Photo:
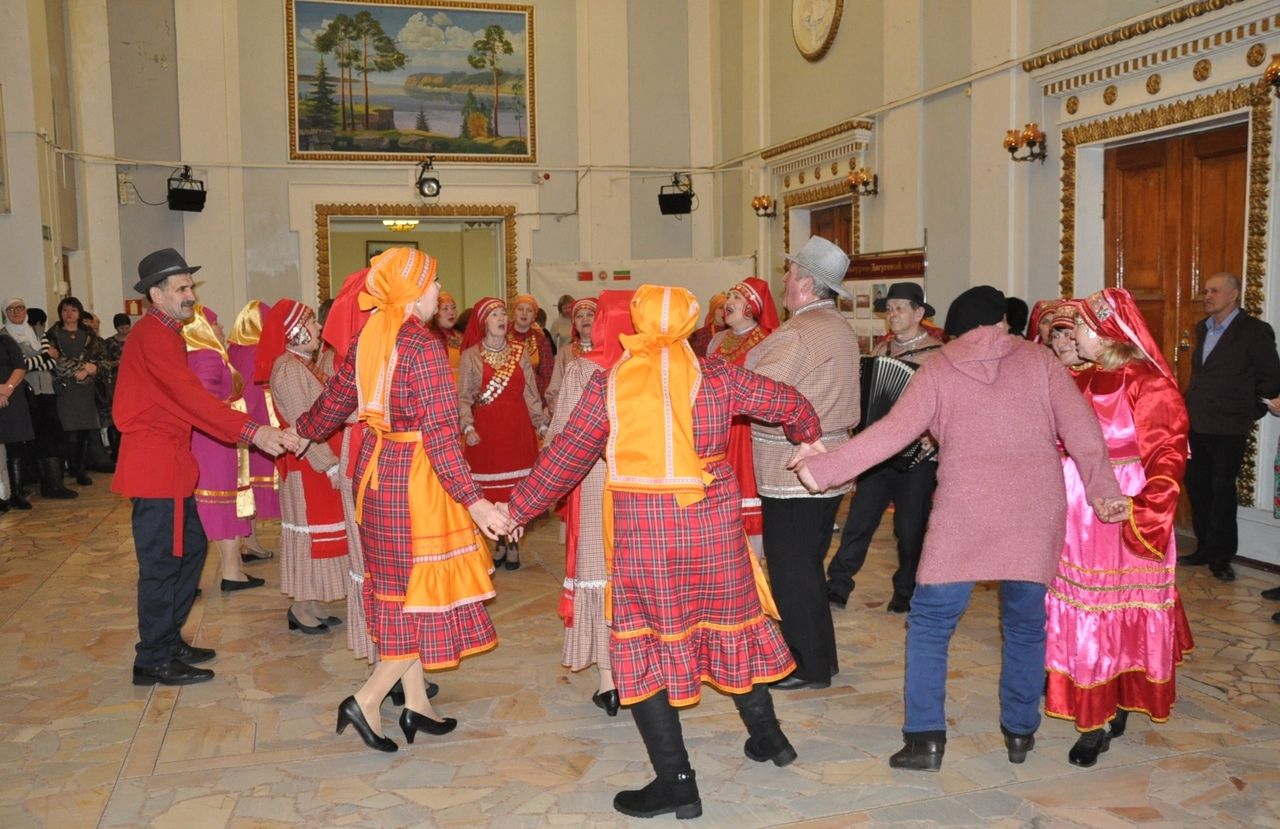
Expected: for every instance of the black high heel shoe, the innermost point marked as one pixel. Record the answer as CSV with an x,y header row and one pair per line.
x,y
607,701
349,713
310,630
411,722
513,556
500,554
397,692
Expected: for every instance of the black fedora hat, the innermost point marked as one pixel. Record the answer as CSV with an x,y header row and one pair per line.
x,y
157,266
905,290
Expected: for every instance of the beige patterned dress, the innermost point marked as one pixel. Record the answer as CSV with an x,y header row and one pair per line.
x,y
294,388
587,642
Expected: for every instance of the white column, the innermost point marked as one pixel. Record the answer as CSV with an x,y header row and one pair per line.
x,y
998,186
24,265
900,144
704,57
604,129
90,69
209,119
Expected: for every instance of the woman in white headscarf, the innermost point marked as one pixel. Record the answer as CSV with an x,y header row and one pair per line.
x,y
44,411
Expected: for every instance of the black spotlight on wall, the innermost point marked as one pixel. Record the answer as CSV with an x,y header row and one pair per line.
x,y
676,198
186,193
428,184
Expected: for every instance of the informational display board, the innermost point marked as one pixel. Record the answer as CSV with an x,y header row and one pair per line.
x,y
868,279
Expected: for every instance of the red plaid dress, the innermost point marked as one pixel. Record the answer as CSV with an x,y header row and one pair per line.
x,y
422,399
685,607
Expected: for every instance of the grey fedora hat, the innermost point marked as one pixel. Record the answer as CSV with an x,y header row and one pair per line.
x,y
157,266
825,262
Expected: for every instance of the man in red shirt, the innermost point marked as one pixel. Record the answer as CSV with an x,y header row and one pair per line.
x,y
158,401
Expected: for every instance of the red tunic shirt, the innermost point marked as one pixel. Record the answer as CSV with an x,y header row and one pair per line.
x,y
158,401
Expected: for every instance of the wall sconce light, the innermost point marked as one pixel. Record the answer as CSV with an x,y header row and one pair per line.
x,y
1272,74
428,184
400,225
766,207
1031,137
863,182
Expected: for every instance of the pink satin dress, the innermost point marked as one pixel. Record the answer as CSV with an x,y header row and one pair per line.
x,y
1115,623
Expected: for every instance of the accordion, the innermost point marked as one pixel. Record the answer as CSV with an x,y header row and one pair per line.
x,y
884,379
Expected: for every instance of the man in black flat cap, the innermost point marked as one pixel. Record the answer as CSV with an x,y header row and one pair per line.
x,y
909,486
157,403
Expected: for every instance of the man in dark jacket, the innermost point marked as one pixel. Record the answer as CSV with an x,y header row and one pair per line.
x,y
1233,368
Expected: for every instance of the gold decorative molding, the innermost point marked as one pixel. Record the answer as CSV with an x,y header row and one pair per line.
x,y
505,212
1256,55
1153,84
817,173
1195,45
1256,98
1073,105
835,168
1109,95
800,176
1123,33
813,195
813,138
1202,70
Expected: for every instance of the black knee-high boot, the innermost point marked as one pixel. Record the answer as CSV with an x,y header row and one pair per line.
x,y
675,789
14,466
767,742
78,444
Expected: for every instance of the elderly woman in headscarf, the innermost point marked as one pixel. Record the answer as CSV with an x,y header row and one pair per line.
x,y
750,315
444,325
586,633
500,409
223,497
427,568
1040,323
313,538
682,588
242,349
47,446
583,314
1116,627
524,328
700,339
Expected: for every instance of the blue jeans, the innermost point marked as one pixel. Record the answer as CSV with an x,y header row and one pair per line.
x,y
935,610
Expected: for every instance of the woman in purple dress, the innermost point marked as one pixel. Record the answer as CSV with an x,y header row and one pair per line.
x,y
223,497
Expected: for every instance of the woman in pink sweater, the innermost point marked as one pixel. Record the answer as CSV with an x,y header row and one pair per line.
x,y
998,406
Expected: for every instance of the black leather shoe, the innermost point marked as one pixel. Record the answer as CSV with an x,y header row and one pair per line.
x,y
349,713
899,604
1272,594
192,655
919,755
397,692
513,556
606,701
229,586
1196,559
295,624
254,556
797,683
172,673
1119,724
1275,617
678,793
411,722
1086,750
1018,745
1224,573
836,600
331,621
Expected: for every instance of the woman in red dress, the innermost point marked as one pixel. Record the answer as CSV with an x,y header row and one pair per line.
x,y
443,326
699,340
682,590
750,316
427,569
500,408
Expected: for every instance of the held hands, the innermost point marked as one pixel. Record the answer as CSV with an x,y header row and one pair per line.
x,y
273,441
1112,510
303,443
797,464
492,521
472,437
516,531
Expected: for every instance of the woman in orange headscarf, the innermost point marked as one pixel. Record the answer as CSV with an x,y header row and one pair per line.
x,y
443,326
524,329
750,315
714,324
428,569
681,591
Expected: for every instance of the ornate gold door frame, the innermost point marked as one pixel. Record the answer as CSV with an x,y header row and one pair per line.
x,y
506,213
1256,99
813,195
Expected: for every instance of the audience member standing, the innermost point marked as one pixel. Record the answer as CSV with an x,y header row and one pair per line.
x,y
817,352
1234,371
79,355
15,419
114,346
46,449
562,328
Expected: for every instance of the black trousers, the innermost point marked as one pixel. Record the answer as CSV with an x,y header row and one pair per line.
x,y
1211,488
797,532
911,493
166,583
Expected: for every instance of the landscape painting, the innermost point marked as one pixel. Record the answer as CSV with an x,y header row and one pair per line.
x,y
398,80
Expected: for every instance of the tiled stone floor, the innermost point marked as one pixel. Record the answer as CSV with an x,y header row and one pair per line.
x,y
82,747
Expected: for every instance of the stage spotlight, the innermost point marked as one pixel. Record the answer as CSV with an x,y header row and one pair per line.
x,y
676,198
427,185
186,193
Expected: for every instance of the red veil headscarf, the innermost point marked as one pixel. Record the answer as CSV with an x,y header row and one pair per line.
x,y
1038,312
613,320
1113,314
756,293
283,321
480,313
346,320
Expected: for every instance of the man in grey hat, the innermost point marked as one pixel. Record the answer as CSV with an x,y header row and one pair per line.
x,y
817,352
158,401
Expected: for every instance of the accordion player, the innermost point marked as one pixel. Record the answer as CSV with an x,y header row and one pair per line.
x,y
884,379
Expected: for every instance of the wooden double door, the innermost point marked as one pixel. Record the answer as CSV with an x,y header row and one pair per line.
x,y
1174,215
